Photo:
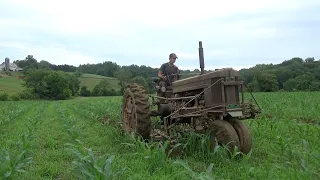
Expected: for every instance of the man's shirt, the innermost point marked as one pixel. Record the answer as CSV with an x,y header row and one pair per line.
x,y
168,70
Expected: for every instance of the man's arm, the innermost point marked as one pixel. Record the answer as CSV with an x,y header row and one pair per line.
x,y
161,72
177,72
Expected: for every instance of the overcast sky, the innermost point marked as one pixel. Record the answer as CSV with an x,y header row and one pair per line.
x,y
234,33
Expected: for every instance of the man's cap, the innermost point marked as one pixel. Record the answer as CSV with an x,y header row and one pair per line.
x,y
173,55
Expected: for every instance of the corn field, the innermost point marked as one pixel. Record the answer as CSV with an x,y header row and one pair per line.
x,y
82,139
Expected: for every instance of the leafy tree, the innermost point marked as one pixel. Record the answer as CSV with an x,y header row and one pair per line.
x,y
78,74
34,79
103,89
74,83
44,63
48,84
283,75
84,91
317,73
267,82
254,86
314,86
57,86
290,85
124,76
304,82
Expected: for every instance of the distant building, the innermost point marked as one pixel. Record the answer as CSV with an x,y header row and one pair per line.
x,y
6,65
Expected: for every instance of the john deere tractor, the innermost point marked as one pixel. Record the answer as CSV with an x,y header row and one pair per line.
x,y
209,102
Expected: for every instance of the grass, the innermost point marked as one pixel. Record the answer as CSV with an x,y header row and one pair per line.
x,y
91,80
13,84
66,139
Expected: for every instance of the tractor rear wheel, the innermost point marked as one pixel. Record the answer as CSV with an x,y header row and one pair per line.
x,y
223,133
136,111
244,135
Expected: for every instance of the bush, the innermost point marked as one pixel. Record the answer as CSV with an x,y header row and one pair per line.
x,y
4,96
74,84
103,89
84,91
49,84
78,74
15,97
28,94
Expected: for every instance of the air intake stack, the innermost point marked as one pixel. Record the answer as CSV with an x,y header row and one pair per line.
x,y
201,57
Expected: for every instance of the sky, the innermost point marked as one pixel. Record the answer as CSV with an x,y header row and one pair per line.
x,y
238,34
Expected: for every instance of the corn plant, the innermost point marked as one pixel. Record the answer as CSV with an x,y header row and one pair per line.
x,y
155,153
14,161
10,111
207,175
90,166
198,146
11,164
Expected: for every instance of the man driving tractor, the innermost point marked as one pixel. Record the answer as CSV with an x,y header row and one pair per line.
x,y
169,72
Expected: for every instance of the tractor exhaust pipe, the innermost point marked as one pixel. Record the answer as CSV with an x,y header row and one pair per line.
x,y
201,57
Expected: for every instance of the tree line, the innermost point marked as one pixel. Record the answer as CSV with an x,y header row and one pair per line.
x,y
296,74
125,74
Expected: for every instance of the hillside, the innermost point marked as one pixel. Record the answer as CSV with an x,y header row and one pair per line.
x,y
13,84
91,80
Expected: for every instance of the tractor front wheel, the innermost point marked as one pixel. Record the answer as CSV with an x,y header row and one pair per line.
x,y
244,135
222,133
136,111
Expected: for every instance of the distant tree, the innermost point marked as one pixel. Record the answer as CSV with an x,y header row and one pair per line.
x,y
309,60
84,91
48,84
124,76
314,86
103,89
44,63
253,86
317,73
290,85
304,82
74,83
267,82
282,76
78,74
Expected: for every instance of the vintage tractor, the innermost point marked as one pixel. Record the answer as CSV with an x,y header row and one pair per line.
x,y
211,102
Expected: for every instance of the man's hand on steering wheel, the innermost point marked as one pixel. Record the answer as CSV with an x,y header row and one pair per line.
x,y
164,78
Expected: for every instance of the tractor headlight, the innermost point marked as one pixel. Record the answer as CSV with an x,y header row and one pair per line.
x,y
163,89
